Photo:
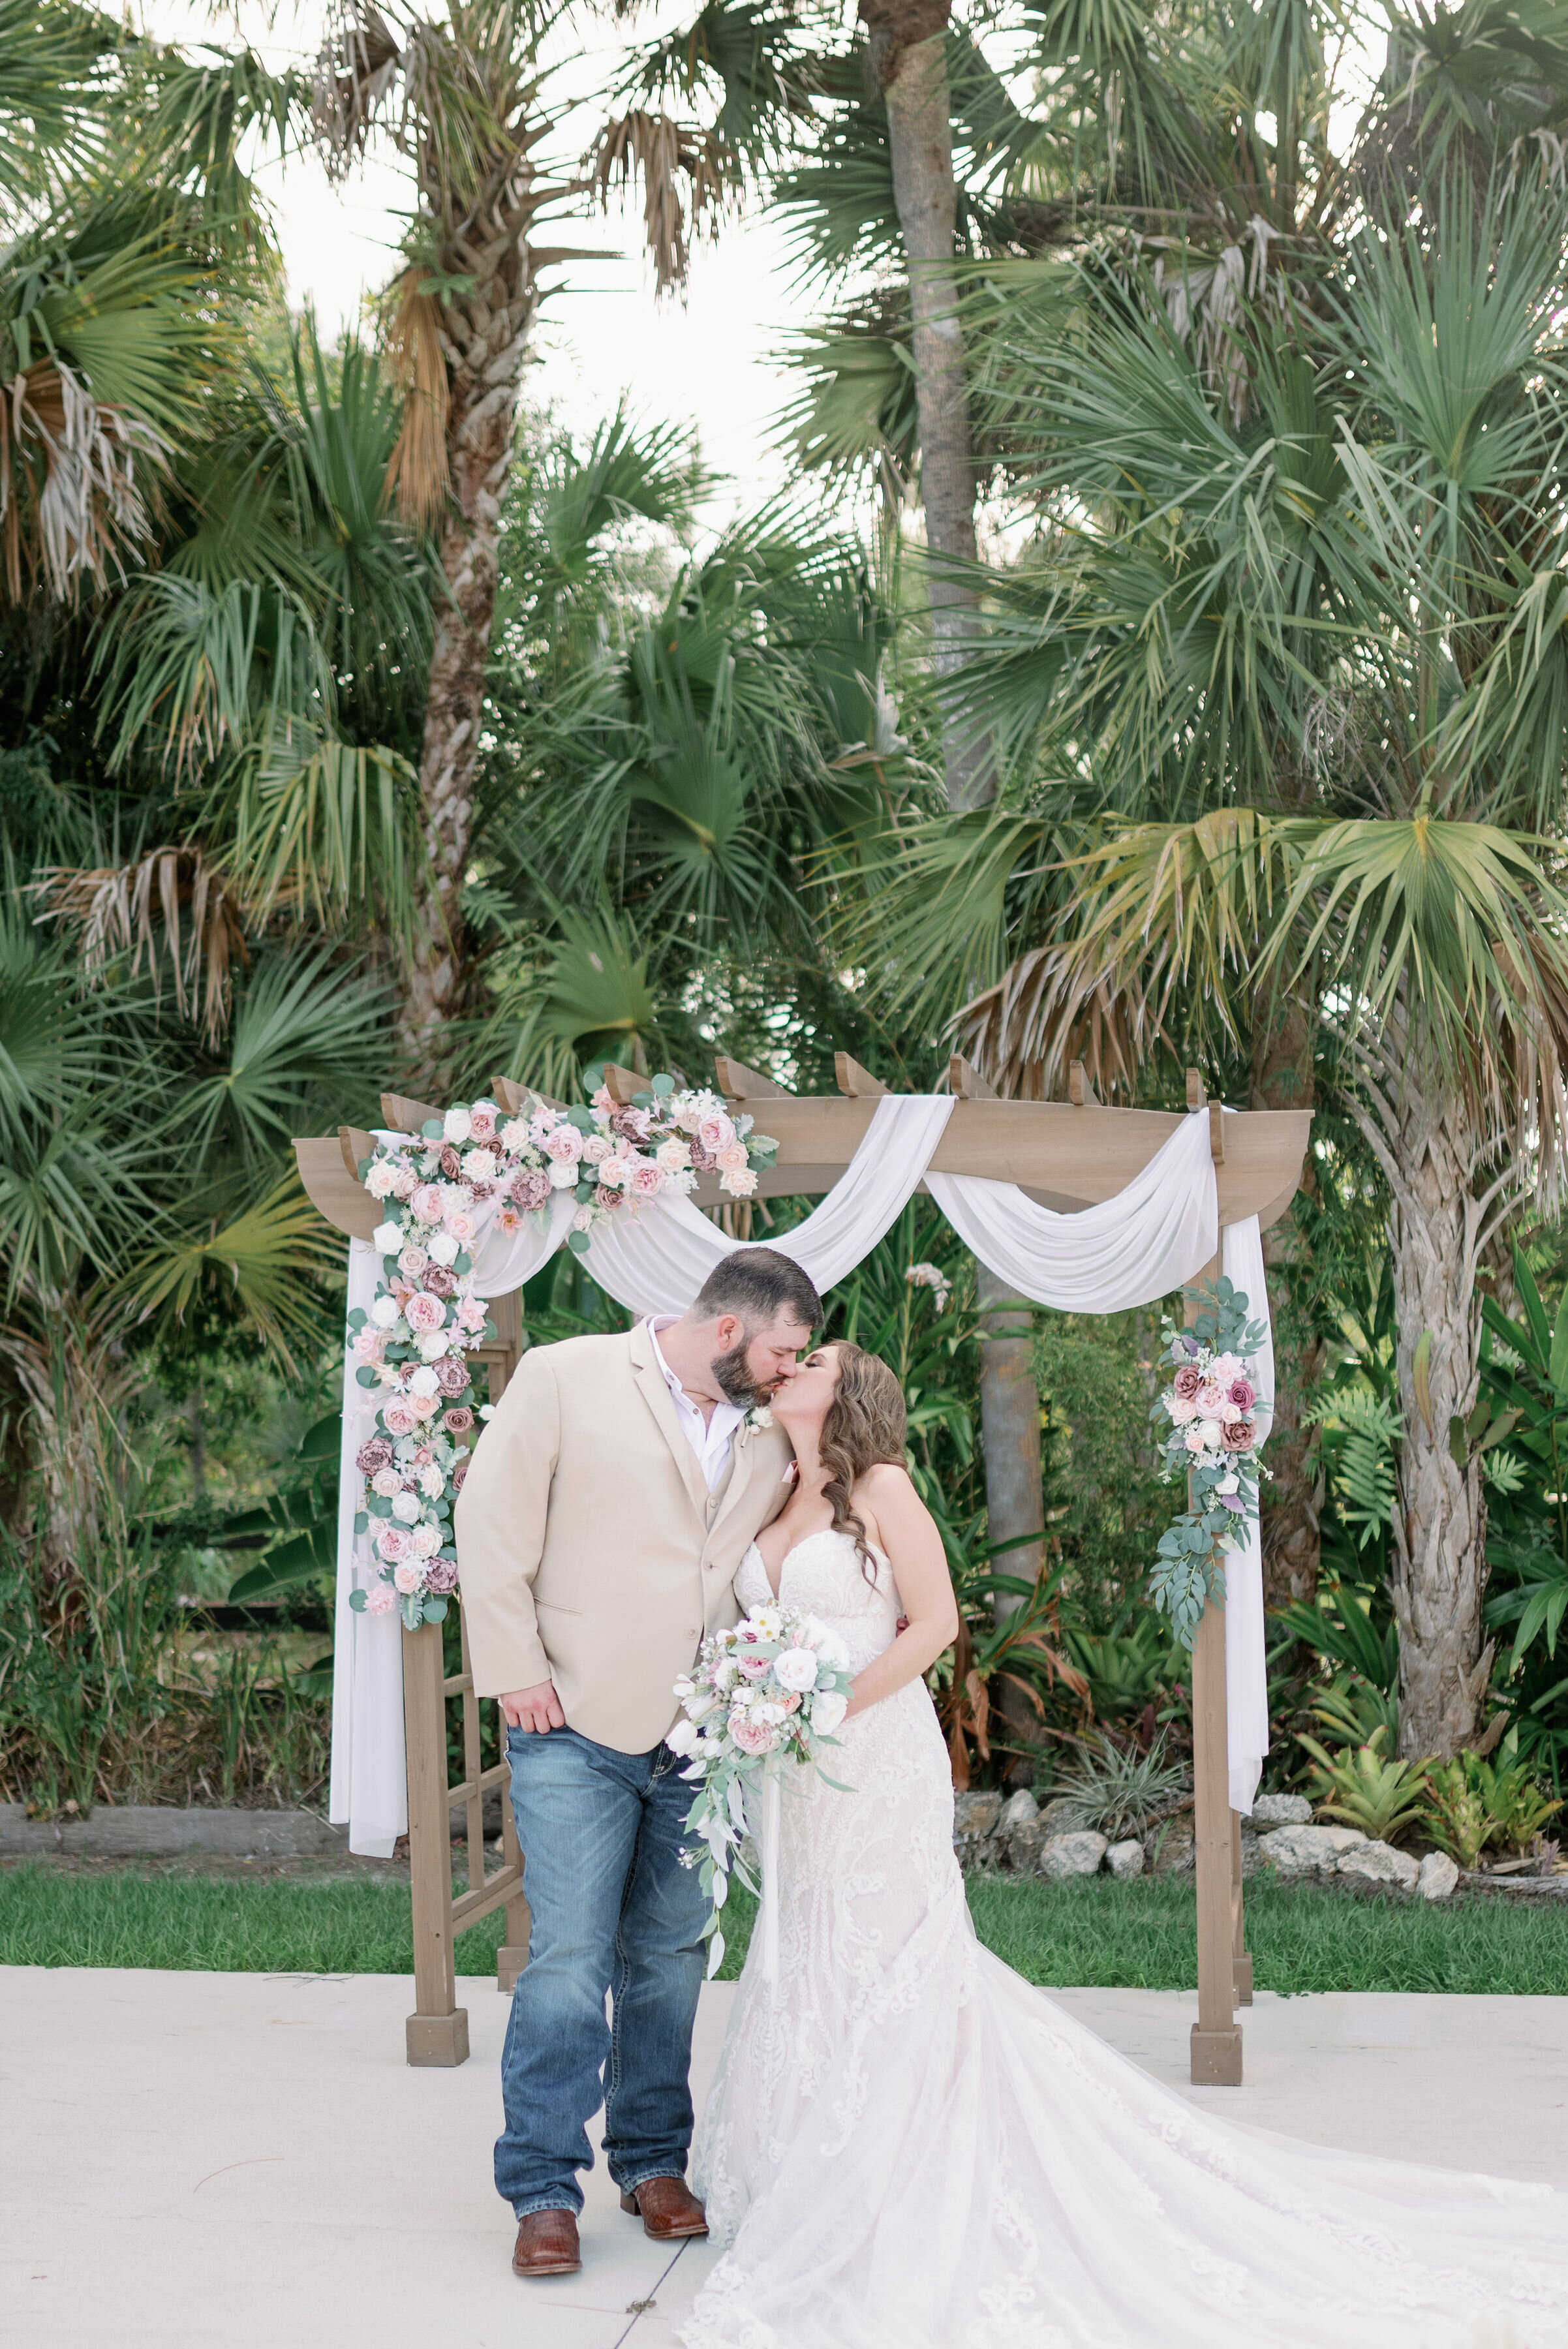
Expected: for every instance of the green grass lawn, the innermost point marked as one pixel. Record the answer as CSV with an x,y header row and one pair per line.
x,y
1090,1932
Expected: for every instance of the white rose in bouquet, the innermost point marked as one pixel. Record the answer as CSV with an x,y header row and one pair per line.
x,y
796,1668
827,1712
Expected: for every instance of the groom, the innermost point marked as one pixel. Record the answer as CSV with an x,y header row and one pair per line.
x,y
606,1511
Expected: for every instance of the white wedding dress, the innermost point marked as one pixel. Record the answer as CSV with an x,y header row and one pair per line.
x,y
907,2146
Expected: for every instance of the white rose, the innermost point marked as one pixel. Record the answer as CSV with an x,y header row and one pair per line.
x,y
1212,1432
683,1738
457,1125
441,1248
740,1185
433,1484
387,1239
583,1220
795,1669
384,1312
424,1382
479,1166
673,1155
406,1508
433,1345
1229,1485
563,1173
828,1711
514,1136
725,1676
379,1182
425,1540
613,1171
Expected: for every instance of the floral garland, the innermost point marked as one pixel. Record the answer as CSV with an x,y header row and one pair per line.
x,y
414,1343
1210,1438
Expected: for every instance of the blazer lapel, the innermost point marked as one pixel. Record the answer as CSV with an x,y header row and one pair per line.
x,y
661,1404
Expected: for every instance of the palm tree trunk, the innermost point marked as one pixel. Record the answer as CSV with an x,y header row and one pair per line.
x,y
1434,1152
1282,1077
909,52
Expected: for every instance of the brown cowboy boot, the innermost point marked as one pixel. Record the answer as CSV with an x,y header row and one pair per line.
x,y
667,2209
546,2244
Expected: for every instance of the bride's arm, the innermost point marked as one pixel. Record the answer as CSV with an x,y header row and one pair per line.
x,y
900,1524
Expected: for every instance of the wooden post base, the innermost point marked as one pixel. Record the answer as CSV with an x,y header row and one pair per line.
x,y
510,1960
439,2040
1217,2058
1241,1968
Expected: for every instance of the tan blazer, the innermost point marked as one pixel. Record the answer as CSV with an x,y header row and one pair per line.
x,y
591,1551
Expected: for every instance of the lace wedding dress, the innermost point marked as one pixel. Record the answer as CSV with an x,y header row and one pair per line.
x,y
909,2148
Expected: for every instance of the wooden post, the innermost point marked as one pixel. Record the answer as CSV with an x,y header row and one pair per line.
x,y
1216,2054
437,2028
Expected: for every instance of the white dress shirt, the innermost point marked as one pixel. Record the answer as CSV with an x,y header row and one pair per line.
x,y
709,1439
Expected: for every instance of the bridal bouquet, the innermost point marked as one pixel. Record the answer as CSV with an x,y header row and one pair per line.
x,y
771,1689
1207,1432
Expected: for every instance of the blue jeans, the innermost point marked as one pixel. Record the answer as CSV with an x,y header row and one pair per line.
x,y
612,1911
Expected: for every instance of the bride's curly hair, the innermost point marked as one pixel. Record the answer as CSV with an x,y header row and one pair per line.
x,y
866,1424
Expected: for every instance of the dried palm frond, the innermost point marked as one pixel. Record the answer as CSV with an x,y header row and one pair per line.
x,y
354,74
417,472
117,907
658,150
70,498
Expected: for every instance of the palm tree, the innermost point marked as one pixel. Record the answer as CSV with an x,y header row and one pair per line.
x,y
462,100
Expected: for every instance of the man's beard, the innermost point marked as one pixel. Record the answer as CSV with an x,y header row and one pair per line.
x,y
739,1381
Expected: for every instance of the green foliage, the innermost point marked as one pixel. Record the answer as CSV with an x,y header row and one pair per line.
x,y
1188,1554
1363,1788
1118,1791
1474,1803
299,1522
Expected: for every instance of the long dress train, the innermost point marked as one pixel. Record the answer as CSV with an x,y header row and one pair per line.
x,y
907,2146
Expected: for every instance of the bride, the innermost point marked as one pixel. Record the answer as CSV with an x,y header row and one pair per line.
x,y
906,2147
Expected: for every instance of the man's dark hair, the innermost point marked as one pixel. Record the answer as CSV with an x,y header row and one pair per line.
x,y
758,1284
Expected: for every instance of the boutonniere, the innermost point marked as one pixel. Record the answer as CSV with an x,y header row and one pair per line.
x,y
759,1420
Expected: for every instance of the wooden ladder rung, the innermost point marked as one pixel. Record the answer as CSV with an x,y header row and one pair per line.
x,y
471,1786
485,1897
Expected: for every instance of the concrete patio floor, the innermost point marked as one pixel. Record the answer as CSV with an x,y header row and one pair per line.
x,y
190,2160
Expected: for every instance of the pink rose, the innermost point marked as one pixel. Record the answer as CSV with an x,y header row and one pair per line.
x,y
460,1225
404,1183
369,1344
716,1134
603,1098
531,1190
731,1159
1183,1408
482,1122
755,1668
413,1263
606,1198
422,1406
409,1576
597,1148
1187,1382
471,1314
1241,1393
565,1143
645,1181
399,1416
753,1736
458,1419
380,1600
1238,1435
427,1202
425,1313
1210,1399
386,1482
393,1544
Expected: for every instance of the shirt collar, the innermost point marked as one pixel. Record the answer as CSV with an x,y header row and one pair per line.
x,y
655,1323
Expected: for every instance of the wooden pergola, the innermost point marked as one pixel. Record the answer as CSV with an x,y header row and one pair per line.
x,y
1064,1154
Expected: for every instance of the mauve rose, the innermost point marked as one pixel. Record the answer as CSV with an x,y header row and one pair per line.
x,y
531,1190
441,1575
701,1159
606,1196
439,1282
377,1453
458,1419
1187,1382
1238,1435
459,1476
451,1163
1240,1392
453,1375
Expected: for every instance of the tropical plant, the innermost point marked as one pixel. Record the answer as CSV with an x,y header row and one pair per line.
x,y
1117,1790
1475,1802
1363,1788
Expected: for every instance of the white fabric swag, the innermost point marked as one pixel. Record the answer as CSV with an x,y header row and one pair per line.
x,y
1152,1237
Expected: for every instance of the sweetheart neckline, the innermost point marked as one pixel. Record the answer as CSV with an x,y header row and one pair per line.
x,y
840,1533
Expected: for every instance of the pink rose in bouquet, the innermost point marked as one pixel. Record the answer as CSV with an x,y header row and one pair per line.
x,y
471,1314
482,1122
370,1345
399,1416
413,1263
597,1148
1238,1435
405,1182
755,1668
427,1202
461,1225
1210,1399
753,1736
409,1576
646,1180
716,1132
565,1143
1241,1395
423,1406
1186,1383
425,1313
731,1159
386,1482
458,1419
379,1600
393,1544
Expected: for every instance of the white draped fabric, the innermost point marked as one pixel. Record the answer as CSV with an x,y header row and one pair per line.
x,y
1152,1237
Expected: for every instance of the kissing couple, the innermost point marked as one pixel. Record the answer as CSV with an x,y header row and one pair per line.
x,y
907,2145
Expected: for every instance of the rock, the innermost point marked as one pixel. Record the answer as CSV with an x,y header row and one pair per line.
x,y
976,1815
1279,1811
1071,1855
1294,1851
1020,1810
1125,1858
1436,1876
1379,1863
1252,1852
1061,1814
1168,1848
